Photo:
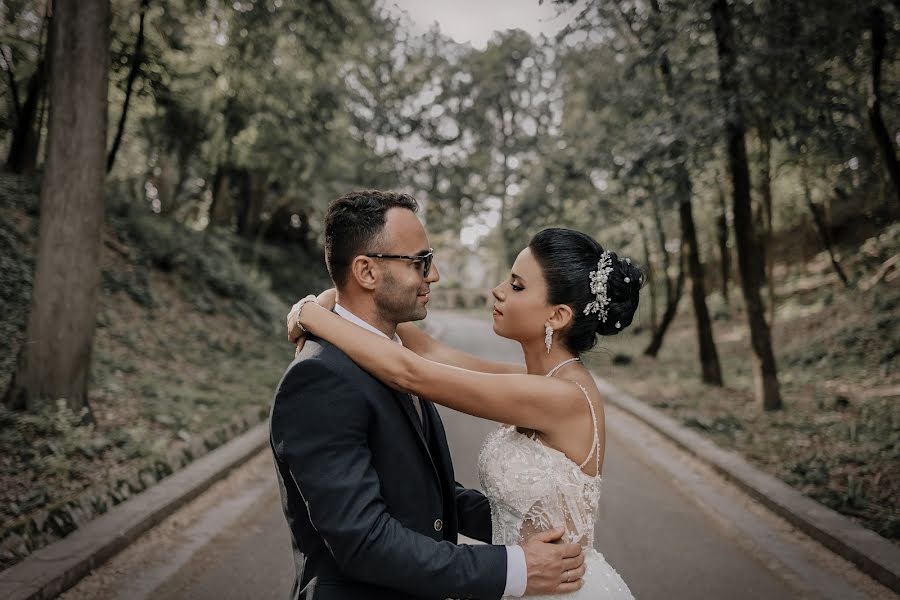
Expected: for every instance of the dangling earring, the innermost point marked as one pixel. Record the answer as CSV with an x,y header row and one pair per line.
x,y
548,337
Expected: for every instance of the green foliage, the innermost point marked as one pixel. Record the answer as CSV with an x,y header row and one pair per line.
x,y
21,31
214,260
249,90
253,115
54,440
247,117
16,267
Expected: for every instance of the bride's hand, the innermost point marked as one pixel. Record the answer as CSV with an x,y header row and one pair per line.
x,y
326,299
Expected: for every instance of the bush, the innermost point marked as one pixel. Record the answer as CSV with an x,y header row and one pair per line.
x,y
205,260
51,439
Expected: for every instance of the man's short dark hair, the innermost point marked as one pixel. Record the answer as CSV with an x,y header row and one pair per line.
x,y
353,225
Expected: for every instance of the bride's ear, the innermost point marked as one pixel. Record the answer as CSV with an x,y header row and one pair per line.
x,y
561,317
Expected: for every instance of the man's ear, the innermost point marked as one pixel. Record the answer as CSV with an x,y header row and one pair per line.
x,y
561,317
365,271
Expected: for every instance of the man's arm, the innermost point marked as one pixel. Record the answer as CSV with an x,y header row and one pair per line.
x,y
474,513
319,428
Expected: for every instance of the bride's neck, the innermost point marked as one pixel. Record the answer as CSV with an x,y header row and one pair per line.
x,y
538,361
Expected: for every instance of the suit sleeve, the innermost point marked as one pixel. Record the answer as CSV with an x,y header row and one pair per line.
x,y
319,428
474,512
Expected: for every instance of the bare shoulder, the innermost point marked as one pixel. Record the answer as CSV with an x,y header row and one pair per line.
x,y
587,383
572,435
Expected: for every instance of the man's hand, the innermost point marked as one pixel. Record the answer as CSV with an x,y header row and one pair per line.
x,y
553,567
295,336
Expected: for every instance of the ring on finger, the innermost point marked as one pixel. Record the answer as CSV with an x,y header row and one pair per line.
x,y
566,573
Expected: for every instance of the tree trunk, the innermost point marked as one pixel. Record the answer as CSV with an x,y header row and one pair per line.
x,y
724,253
765,373
167,181
651,274
9,67
23,148
669,314
664,253
242,202
673,291
133,73
502,239
40,127
821,225
709,358
56,356
221,211
765,176
251,200
882,135
26,134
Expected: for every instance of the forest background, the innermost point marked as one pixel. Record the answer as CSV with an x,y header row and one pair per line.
x,y
168,164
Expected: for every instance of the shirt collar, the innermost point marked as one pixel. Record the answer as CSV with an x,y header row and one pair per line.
x,y
343,312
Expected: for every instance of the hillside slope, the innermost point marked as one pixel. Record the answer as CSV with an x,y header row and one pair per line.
x,y
188,349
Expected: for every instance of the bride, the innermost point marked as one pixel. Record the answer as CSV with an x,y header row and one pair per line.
x,y
543,468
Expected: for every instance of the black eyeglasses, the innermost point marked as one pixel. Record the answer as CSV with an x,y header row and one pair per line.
x,y
425,259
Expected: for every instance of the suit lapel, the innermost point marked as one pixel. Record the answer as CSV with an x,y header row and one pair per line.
x,y
410,411
439,437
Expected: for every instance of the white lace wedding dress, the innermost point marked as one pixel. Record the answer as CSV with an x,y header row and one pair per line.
x,y
532,487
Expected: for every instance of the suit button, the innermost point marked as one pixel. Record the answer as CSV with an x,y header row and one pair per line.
x,y
438,525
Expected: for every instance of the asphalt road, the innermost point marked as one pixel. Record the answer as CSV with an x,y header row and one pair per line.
x,y
670,528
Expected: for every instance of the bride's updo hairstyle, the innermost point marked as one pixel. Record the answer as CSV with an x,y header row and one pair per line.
x,y
567,258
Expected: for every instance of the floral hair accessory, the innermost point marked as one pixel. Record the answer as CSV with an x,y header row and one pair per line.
x,y
599,286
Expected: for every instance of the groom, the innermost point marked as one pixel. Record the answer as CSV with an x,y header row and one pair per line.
x,y
366,480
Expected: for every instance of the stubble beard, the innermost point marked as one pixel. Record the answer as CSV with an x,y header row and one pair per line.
x,y
396,305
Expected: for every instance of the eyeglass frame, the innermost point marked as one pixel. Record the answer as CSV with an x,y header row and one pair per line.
x,y
425,259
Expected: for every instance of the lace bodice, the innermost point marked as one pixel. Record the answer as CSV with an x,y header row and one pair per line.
x,y
532,488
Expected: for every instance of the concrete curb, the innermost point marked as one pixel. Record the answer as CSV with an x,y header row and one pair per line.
x,y
55,568
871,553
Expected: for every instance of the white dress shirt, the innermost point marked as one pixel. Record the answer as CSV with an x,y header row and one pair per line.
x,y
516,567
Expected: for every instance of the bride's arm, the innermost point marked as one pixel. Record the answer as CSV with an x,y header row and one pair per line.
x,y
426,346
418,341
531,401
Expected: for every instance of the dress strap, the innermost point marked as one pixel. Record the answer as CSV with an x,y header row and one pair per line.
x,y
595,440
553,371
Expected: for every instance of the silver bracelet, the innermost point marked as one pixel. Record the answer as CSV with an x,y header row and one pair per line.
x,y
309,298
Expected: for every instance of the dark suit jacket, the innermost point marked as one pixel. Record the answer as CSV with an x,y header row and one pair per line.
x,y
369,493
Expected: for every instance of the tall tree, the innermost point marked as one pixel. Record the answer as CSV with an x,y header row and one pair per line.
x,y
877,28
711,371
821,227
674,290
722,238
505,118
765,373
651,273
26,131
766,81
55,359
655,39
135,68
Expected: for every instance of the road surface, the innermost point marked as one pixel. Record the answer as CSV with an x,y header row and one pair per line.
x,y
670,527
